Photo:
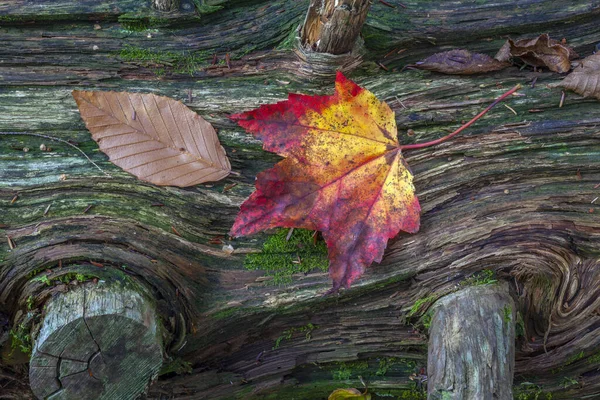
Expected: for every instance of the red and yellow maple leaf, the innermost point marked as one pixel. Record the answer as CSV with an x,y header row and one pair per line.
x,y
343,175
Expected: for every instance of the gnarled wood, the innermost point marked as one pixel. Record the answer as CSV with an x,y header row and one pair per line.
x,y
472,345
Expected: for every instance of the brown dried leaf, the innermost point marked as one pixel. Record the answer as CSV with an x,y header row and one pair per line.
x,y
539,52
460,62
585,78
155,138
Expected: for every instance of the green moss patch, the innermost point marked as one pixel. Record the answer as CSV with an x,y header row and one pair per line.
x,y
176,62
282,257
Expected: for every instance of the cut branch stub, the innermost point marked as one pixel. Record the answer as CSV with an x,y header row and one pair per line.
x,y
472,345
96,342
332,26
165,5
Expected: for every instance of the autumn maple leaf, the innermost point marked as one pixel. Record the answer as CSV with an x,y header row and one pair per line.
x,y
343,175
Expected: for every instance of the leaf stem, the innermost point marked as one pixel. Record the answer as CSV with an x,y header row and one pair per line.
x,y
462,128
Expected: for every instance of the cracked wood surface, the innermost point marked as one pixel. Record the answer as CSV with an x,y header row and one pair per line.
x,y
515,195
97,341
471,345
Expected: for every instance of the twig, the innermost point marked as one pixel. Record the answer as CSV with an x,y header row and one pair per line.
x,y
47,209
227,188
385,3
562,99
390,53
382,66
462,128
533,82
511,109
57,140
400,102
289,235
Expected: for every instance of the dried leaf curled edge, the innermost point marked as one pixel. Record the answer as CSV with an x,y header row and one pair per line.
x,y
539,52
585,78
155,138
460,62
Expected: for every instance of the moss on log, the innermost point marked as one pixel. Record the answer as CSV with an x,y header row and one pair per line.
x,y
514,196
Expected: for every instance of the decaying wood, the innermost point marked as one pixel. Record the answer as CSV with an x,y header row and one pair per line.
x,y
472,345
165,5
98,341
332,26
517,194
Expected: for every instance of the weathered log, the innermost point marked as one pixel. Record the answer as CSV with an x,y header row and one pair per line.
x,y
514,195
472,345
96,342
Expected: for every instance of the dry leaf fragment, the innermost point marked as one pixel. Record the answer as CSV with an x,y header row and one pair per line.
x,y
539,52
460,62
585,78
155,138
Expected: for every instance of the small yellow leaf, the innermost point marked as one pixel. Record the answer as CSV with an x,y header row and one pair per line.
x,y
348,394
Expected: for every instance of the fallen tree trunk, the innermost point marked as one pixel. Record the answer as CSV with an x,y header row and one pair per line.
x,y
514,199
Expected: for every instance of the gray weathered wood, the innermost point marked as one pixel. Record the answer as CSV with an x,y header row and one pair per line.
x,y
332,26
472,345
97,341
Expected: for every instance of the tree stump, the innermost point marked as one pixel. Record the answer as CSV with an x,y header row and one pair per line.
x,y
332,26
472,345
96,343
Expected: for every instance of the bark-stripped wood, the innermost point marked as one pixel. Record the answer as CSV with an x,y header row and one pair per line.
x,y
472,345
98,341
332,26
